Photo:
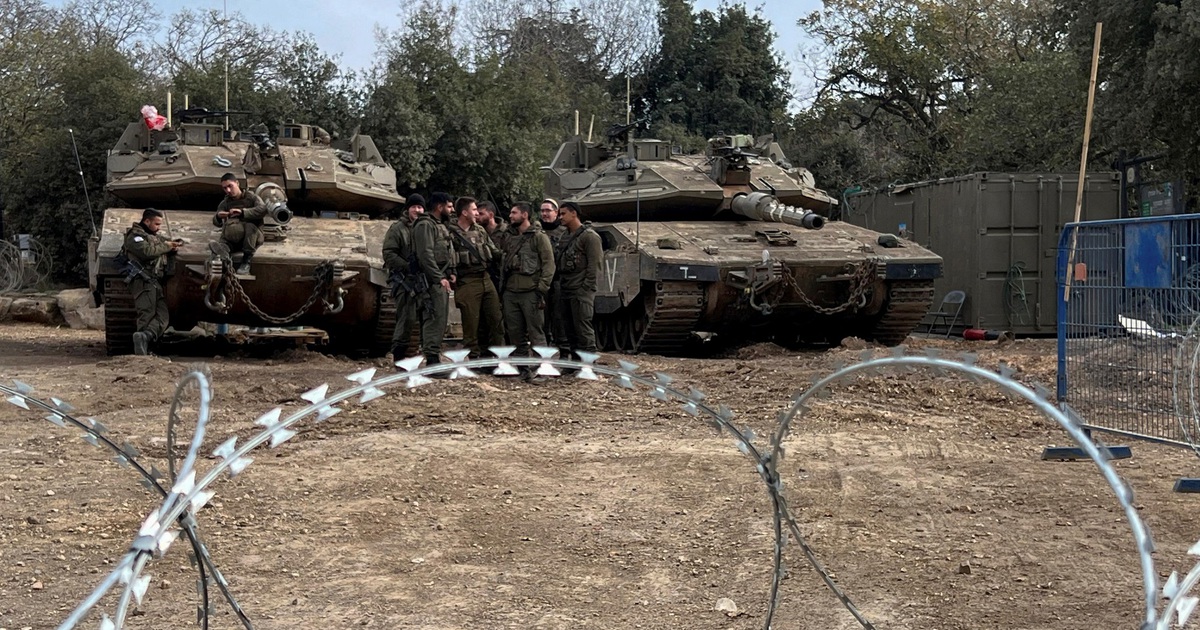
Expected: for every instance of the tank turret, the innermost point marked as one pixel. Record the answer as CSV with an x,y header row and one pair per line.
x,y
734,242
181,166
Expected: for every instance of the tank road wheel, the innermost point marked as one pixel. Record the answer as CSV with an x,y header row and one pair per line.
x,y
120,317
665,318
907,303
604,332
666,328
622,340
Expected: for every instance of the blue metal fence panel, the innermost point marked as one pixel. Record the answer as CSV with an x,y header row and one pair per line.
x,y
1148,255
1127,342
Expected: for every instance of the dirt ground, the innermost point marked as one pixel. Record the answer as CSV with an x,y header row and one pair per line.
x,y
491,503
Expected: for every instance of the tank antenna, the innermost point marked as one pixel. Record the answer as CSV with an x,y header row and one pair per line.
x,y
637,204
168,108
577,122
79,165
590,124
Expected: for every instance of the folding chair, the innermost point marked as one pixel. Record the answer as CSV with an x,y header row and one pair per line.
x,y
949,311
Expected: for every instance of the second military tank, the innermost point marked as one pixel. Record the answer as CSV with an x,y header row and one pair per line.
x,y
735,242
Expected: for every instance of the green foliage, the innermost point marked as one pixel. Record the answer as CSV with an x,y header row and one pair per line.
x,y
273,77
917,90
714,72
1148,78
42,189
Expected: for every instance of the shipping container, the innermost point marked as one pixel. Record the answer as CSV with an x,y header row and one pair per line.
x,y
998,234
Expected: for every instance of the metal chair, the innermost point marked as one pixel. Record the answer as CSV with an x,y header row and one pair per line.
x,y
948,316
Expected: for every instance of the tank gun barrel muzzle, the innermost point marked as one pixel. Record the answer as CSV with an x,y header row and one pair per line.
x,y
759,206
281,213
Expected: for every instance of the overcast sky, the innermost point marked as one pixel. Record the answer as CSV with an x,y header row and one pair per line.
x,y
347,27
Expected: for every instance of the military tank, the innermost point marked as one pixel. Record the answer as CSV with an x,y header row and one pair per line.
x,y
322,263
735,242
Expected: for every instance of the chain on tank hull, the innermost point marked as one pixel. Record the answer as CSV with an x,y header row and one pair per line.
x,y
282,286
734,241
661,283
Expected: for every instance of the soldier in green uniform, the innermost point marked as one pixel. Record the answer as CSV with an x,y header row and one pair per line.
x,y
240,217
528,269
146,257
404,278
475,295
578,258
435,258
496,228
555,231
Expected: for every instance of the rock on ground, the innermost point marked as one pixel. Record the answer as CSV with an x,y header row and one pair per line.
x,y
78,308
37,310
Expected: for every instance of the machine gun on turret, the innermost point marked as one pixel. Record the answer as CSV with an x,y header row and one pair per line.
x,y
201,114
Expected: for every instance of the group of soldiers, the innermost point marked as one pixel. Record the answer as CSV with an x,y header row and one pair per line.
x,y
528,281
511,280
146,255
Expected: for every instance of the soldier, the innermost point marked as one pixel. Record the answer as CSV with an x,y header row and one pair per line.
x,y
475,293
145,257
555,231
528,269
405,280
240,217
496,228
578,258
435,257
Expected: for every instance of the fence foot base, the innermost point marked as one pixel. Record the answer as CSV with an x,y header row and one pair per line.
x,y
1073,453
1187,484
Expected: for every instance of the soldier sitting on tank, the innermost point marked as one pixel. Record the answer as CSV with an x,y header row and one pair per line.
x,y
240,217
144,257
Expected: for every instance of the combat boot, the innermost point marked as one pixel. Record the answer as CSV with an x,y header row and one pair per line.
x,y
141,343
433,359
244,268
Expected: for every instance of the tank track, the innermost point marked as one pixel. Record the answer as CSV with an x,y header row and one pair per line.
x,y
907,304
120,317
670,317
385,324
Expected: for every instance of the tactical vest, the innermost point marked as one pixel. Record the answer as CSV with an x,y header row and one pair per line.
x,y
474,249
520,255
131,265
443,250
569,255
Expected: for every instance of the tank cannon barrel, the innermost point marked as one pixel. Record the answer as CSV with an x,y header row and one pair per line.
x,y
281,213
763,207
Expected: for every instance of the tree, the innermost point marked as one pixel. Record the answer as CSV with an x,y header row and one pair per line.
x,y
591,40
714,72
952,86
1148,78
96,88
